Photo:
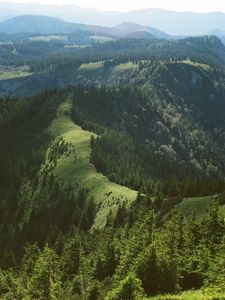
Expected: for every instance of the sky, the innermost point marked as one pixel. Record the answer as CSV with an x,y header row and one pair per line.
x,y
126,5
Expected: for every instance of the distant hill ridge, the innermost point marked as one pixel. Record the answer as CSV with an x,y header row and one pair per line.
x,y
174,23
50,25
38,24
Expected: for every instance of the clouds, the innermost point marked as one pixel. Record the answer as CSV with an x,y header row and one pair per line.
x,y
126,5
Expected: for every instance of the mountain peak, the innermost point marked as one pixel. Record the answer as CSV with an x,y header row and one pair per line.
x,y
130,27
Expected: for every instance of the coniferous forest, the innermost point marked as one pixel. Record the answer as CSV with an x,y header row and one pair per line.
x,y
112,175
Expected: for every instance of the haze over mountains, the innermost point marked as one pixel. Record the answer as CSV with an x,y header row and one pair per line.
x,y
174,23
50,25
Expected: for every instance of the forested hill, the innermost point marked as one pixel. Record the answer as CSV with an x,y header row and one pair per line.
x,y
55,64
174,110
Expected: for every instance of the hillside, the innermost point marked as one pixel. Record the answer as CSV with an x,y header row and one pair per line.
x,y
57,63
161,115
140,35
129,28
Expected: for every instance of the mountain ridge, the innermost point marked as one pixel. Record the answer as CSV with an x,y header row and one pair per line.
x,y
50,25
175,23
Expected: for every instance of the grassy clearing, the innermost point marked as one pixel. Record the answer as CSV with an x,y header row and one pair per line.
x,y
195,64
192,295
6,43
222,211
125,67
76,46
198,205
14,73
91,66
48,38
101,38
81,173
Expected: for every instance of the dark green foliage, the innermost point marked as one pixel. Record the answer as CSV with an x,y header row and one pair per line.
x,y
23,126
149,259
33,206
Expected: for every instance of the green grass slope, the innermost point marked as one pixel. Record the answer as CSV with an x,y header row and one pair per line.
x,y
199,206
192,295
196,205
76,170
15,73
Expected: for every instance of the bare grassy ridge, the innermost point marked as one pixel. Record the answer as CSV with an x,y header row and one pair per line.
x,y
81,173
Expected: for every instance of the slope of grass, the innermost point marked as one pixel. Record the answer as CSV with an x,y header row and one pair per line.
x,y
76,46
14,73
80,173
48,38
125,67
195,64
101,38
91,66
192,295
197,205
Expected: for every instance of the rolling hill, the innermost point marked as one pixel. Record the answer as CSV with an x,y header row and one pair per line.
x,y
132,29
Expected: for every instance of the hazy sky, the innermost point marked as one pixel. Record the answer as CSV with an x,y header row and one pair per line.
x,y
126,5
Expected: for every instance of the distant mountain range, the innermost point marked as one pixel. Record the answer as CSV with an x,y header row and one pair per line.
x,y
51,25
44,25
174,23
38,24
